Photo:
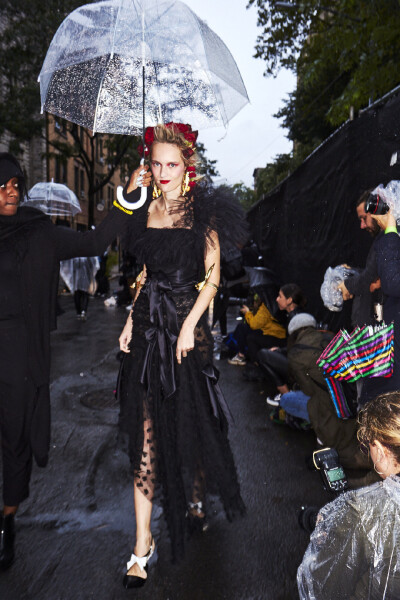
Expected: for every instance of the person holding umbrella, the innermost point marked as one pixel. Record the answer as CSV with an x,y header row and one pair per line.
x,y
30,250
171,405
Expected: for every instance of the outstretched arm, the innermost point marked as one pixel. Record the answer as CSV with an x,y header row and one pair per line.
x,y
70,243
185,341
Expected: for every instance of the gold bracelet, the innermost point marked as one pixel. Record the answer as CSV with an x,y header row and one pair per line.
x,y
212,285
199,286
136,284
125,210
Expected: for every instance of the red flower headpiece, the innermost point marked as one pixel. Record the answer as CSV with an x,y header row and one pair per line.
x,y
189,135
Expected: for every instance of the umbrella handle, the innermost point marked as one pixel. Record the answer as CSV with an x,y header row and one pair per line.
x,y
131,205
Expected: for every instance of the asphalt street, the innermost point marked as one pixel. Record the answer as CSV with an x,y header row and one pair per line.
x,y
75,533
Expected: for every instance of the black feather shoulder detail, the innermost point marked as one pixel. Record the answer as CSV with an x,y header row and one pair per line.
x,y
210,210
205,211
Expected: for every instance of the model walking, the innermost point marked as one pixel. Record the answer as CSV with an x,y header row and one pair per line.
x,y
171,405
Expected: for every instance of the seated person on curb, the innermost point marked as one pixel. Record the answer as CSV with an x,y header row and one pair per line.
x,y
354,551
261,330
274,360
313,402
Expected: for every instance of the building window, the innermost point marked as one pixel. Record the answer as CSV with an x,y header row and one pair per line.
x,y
76,180
57,170
60,170
99,150
60,126
82,186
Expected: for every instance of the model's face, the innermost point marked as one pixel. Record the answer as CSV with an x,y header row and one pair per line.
x,y
282,301
366,221
167,167
9,197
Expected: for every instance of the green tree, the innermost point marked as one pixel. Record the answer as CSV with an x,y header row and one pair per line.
x,y
345,52
27,27
115,151
208,167
243,194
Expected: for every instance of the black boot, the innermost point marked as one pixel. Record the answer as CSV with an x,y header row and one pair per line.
x,y
7,536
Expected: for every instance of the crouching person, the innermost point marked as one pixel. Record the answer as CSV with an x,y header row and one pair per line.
x,y
312,401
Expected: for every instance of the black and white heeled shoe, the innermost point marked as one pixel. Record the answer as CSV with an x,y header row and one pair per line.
x,y
134,581
196,517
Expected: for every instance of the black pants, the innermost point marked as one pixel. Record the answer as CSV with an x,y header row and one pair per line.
x,y
81,300
275,365
221,304
18,396
257,340
240,334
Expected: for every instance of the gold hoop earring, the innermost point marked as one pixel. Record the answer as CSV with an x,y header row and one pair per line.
x,y
156,191
376,470
185,184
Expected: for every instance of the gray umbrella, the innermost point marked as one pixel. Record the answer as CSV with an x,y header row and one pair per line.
x,y
117,66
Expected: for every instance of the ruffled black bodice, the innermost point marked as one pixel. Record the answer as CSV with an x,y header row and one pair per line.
x,y
169,249
208,210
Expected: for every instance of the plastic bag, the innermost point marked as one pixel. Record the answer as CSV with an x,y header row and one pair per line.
x,y
79,273
331,296
391,195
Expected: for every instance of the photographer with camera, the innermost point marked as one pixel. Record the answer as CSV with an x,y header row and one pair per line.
x,y
360,287
387,250
259,330
354,551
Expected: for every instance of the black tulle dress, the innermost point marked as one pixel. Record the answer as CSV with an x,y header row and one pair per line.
x,y
175,415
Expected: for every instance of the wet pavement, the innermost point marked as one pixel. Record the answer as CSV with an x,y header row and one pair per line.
x,y
76,530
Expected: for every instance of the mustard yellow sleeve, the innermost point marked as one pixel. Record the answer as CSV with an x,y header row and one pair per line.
x,y
260,319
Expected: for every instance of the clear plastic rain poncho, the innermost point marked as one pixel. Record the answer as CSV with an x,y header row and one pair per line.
x,y
331,296
54,199
92,73
354,551
80,273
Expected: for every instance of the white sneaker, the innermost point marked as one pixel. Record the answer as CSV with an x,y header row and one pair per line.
x,y
83,316
237,360
275,401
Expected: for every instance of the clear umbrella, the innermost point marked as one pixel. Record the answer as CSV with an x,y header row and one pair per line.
x,y
117,66
54,199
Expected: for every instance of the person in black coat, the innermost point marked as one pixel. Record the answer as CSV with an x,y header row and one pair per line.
x,y
30,250
358,286
387,248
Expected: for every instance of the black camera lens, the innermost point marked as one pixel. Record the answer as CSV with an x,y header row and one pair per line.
x,y
376,206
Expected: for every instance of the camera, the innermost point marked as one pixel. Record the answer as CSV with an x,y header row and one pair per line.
x,y
326,461
376,206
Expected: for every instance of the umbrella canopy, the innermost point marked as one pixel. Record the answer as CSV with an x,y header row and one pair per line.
x,y
111,61
54,199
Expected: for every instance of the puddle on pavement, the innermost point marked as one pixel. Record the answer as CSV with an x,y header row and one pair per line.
x,y
103,399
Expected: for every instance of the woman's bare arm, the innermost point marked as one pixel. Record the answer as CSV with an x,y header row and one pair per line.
x,y
185,341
